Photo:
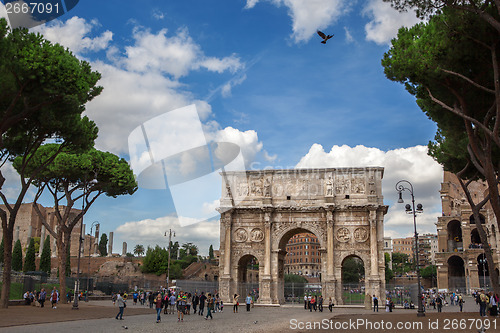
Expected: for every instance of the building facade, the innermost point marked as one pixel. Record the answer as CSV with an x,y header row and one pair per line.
x,y
303,255
29,224
460,258
404,245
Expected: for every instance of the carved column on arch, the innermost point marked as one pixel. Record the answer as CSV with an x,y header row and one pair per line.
x,y
226,278
329,243
374,280
266,279
328,283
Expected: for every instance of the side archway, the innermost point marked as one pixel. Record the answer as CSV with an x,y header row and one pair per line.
x,y
456,274
248,276
353,280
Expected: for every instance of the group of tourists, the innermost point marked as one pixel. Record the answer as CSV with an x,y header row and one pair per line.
x,y
38,298
312,302
488,303
172,301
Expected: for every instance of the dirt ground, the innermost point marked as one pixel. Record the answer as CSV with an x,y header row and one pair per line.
x,y
25,314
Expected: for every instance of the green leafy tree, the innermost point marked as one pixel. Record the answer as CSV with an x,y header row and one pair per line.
x,y
37,244
103,245
45,258
211,252
352,270
429,272
156,261
176,270
44,88
389,274
29,260
189,249
76,176
451,66
401,263
17,257
139,250
174,248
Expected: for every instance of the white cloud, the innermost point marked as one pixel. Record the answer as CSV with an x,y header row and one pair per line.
x,y
248,141
73,34
348,36
152,231
412,164
309,16
251,3
175,55
231,63
143,81
131,98
385,21
158,14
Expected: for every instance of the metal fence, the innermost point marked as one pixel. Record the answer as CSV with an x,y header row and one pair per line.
x,y
193,286
401,293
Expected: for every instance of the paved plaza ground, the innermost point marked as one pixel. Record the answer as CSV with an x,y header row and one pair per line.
x,y
98,316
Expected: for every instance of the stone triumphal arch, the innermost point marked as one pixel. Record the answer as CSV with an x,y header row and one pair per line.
x,y
262,210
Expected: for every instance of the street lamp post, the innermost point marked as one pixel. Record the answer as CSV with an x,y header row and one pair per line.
x,y
96,224
400,187
170,234
483,263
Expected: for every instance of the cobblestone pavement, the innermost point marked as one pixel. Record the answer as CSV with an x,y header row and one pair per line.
x,y
100,318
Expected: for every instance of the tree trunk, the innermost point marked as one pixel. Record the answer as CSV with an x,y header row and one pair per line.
x,y
61,253
487,251
7,268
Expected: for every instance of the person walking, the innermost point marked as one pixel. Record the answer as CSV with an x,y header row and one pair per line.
x,y
439,303
196,300
41,297
217,303
54,298
483,301
181,306
461,302
312,304
330,304
159,305
305,302
172,304
121,302
248,301
165,301
493,305
203,298
235,303
188,304
320,303
210,306
375,303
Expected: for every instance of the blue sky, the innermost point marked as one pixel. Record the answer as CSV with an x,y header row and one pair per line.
x,y
260,78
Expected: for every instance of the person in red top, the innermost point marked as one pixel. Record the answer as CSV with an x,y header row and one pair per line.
x,y
158,302
313,304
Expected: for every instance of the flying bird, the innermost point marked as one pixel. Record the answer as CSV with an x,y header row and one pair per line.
x,y
325,37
